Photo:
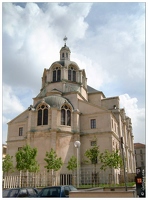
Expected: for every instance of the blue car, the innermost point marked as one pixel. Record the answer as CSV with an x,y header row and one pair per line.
x,y
20,192
56,191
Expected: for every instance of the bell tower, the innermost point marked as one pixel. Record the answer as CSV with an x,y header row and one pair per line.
x,y
65,51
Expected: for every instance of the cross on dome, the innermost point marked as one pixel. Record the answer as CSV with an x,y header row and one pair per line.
x,y
65,39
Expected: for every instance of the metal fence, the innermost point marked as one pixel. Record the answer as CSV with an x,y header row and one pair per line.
x,y
27,179
87,176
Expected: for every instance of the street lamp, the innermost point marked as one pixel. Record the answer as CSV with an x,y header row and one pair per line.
x,y
77,145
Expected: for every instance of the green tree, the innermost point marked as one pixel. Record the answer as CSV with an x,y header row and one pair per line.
x,y
111,160
93,154
26,159
7,165
53,162
72,163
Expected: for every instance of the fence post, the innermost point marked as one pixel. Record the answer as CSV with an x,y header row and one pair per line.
x,y
27,178
20,179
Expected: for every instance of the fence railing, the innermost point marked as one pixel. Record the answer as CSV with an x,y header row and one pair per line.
x,y
87,176
27,179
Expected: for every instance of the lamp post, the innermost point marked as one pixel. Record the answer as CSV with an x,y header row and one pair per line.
x,y
77,145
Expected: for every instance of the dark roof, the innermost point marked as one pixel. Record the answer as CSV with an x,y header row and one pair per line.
x,y
61,62
65,62
54,101
92,90
139,145
65,48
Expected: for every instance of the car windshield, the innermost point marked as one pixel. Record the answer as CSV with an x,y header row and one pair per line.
x,y
50,192
72,188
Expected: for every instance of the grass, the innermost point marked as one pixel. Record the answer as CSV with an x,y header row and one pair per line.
x,y
130,184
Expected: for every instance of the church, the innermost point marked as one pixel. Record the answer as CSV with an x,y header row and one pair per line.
x,y
66,110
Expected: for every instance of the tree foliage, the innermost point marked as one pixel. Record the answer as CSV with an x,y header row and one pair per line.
x,y
72,163
110,159
26,159
92,154
52,160
7,165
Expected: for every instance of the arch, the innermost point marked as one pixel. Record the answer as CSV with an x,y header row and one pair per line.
x,y
72,73
74,65
56,74
42,114
66,115
54,101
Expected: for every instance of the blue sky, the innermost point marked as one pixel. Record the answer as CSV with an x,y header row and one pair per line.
x,y
105,39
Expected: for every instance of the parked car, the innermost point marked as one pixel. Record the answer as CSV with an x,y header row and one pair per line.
x,y
56,191
20,192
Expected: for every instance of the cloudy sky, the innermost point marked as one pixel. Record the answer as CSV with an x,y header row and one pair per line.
x,y
105,39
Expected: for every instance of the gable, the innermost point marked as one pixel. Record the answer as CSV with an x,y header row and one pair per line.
x,y
20,118
88,108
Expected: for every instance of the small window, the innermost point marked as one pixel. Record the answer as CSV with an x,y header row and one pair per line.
x,y
142,163
112,124
19,148
20,131
141,156
93,143
93,123
141,151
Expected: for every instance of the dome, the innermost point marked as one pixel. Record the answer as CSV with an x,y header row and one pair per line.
x,y
65,48
65,63
54,101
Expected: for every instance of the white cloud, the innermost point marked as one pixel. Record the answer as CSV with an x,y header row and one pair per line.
x,y
11,103
11,107
106,39
5,120
136,114
96,79
31,38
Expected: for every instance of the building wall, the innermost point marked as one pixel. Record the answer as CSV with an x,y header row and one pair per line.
x,y
140,155
111,122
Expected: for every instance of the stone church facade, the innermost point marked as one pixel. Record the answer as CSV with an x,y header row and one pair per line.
x,y
68,110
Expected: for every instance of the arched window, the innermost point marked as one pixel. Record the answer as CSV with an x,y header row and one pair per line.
x,y
56,74
42,115
71,74
65,115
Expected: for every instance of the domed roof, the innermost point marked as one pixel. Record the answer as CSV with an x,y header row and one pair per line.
x,y
65,63
54,101
65,48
